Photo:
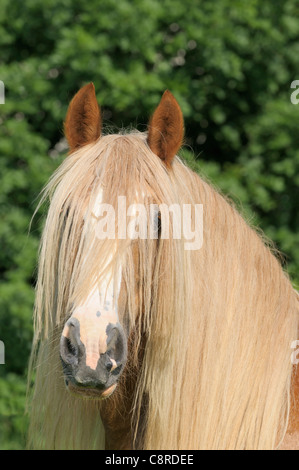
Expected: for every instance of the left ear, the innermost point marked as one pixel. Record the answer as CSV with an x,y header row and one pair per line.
x,y
83,123
166,129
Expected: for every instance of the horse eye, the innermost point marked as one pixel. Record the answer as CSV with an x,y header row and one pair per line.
x,y
159,224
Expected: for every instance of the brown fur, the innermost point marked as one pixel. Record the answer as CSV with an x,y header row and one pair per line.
x,y
83,121
117,411
166,129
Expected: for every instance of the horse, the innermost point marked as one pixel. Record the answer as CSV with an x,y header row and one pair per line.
x,y
139,342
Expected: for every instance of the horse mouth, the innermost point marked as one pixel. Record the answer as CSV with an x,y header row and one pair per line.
x,y
91,392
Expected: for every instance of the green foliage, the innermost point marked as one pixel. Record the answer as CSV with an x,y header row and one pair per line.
x,y
230,65
12,411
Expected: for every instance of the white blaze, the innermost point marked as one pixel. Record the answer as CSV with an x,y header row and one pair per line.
x,y
98,311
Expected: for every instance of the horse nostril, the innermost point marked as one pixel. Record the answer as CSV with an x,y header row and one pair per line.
x,y
68,351
110,364
117,346
70,344
70,347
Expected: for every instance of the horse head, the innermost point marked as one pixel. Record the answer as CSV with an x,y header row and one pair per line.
x,y
93,344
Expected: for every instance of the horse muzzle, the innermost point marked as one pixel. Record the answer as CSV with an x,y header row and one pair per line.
x,y
92,359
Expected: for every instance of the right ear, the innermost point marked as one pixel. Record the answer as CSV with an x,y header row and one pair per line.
x,y
83,123
166,129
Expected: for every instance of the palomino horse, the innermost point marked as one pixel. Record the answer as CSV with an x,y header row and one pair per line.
x,y
141,343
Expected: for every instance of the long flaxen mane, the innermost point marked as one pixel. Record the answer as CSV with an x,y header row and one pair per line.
x,y
214,325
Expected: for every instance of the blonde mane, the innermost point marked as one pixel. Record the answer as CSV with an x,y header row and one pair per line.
x,y
217,322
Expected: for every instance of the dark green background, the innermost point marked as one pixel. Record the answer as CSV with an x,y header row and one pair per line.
x,y
230,65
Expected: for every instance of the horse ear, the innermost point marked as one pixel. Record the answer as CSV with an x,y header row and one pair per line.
x,y
166,129
83,121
